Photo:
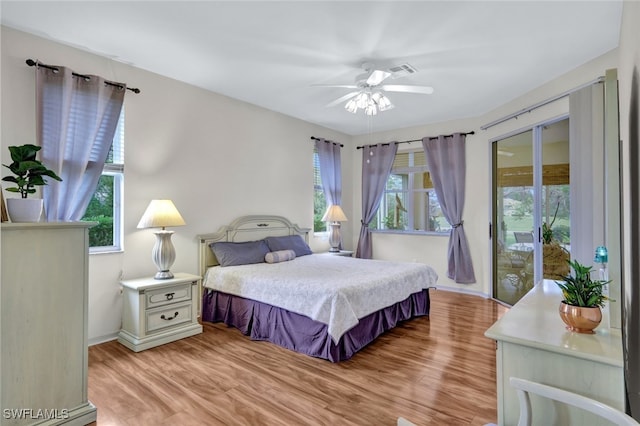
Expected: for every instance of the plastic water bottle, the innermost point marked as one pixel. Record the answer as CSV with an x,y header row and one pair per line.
x,y
602,257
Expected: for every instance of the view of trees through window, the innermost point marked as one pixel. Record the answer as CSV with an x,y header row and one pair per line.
x,y
104,207
319,200
100,210
409,202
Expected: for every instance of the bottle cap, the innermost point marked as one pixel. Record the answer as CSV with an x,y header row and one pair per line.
x,y
602,256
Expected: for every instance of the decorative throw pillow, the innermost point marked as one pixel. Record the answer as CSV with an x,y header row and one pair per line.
x,y
232,254
279,256
289,242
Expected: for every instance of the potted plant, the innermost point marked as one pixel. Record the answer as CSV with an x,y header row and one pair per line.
x,y
582,299
555,257
28,173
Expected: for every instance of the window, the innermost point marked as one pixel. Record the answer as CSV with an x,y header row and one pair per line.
x,y
409,202
319,200
105,206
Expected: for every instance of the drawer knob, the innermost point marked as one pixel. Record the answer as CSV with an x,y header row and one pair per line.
x,y
168,318
169,296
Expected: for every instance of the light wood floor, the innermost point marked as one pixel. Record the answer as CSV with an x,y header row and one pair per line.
x,y
433,371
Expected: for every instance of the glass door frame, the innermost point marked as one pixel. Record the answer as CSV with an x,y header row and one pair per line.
x,y
536,130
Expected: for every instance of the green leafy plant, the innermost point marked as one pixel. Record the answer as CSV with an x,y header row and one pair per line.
x,y
28,171
580,290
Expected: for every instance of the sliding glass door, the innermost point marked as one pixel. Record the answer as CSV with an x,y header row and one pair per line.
x,y
530,218
513,221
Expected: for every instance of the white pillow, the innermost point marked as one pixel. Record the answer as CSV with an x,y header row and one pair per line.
x,y
279,256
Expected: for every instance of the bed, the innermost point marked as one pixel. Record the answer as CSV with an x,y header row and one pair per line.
x,y
321,305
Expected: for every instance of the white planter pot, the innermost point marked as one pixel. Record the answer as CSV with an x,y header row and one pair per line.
x,y
24,209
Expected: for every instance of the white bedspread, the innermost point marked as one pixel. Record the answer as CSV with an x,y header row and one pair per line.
x,y
334,290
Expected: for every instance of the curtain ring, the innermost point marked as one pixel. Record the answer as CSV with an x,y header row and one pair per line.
x,y
457,224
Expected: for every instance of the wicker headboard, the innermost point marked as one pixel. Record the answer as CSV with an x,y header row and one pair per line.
x,y
246,228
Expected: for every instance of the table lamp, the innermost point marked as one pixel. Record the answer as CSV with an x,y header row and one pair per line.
x,y
160,214
334,215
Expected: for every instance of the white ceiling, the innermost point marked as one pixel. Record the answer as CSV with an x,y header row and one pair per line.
x,y
477,55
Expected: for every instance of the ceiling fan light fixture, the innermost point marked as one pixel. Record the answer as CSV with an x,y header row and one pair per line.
x,y
351,106
362,100
371,109
371,103
382,101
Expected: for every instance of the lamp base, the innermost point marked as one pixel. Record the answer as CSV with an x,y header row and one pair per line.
x,y
334,237
163,275
163,254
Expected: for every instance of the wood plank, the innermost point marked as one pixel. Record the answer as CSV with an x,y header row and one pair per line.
x,y
435,370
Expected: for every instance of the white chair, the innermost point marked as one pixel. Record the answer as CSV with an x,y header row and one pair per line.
x,y
525,387
523,237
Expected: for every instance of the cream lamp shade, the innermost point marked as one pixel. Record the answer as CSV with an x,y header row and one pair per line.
x,y
160,214
334,215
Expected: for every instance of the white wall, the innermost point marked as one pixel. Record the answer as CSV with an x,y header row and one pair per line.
x,y
215,157
432,249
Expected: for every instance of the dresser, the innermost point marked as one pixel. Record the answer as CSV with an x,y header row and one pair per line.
x,y
156,312
532,343
43,322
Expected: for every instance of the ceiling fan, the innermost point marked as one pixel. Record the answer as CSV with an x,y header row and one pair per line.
x,y
368,89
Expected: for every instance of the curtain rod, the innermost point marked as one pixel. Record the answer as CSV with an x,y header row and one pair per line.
x,y
541,104
335,143
33,63
420,140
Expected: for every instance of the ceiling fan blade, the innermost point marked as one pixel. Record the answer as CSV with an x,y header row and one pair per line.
x,y
342,99
425,90
377,77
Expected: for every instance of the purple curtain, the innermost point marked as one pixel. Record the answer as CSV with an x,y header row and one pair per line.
x,y
377,161
77,119
447,166
330,170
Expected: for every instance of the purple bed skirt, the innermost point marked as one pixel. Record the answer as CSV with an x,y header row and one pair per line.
x,y
300,333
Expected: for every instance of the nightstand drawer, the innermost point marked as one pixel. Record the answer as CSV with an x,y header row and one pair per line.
x,y
163,296
170,316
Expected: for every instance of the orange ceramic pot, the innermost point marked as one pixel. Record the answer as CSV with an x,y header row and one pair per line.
x,y
580,319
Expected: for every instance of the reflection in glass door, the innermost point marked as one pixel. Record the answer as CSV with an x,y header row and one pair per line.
x,y
530,225
513,219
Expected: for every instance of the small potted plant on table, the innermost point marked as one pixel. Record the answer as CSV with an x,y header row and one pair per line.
x,y
28,173
583,298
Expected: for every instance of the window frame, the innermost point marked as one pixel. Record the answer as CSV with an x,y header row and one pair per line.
x,y
409,191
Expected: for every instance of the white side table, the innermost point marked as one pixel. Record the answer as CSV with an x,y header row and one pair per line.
x,y
156,312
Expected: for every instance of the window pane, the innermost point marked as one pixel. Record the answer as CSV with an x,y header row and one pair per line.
x,y
101,210
410,202
319,207
319,200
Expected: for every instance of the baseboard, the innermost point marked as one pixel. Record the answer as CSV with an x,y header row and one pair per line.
x,y
102,339
463,291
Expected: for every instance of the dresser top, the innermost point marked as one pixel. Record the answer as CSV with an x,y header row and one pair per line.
x,y
9,226
535,322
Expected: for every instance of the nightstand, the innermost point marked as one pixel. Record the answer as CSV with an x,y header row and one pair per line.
x,y
156,312
347,253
